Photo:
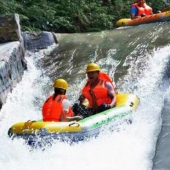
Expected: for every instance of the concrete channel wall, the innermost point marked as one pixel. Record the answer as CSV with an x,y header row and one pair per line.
x,y
13,44
12,53
12,66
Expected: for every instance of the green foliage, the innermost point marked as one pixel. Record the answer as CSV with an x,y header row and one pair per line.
x,y
9,6
157,5
71,15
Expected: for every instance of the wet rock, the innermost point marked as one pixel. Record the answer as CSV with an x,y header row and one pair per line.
x,y
10,28
34,41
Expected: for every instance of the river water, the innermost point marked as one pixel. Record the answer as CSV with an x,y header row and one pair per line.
x,y
137,59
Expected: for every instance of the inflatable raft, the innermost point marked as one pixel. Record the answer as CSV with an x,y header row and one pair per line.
x,y
38,131
160,17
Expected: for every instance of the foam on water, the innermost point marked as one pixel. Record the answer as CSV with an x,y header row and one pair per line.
x,y
131,147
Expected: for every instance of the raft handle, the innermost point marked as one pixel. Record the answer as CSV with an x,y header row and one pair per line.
x,y
74,123
131,104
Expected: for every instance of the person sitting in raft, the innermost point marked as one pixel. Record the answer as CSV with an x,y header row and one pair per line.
x,y
140,9
99,91
57,107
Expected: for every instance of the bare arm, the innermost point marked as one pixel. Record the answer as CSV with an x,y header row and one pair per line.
x,y
65,106
133,13
81,98
64,117
111,94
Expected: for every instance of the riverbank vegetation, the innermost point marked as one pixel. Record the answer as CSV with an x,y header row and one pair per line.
x,y
70,16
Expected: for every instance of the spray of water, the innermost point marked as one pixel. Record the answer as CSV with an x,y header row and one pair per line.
x,y
129,148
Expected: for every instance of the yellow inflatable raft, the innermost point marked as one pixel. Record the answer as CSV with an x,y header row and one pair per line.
x,y
76,130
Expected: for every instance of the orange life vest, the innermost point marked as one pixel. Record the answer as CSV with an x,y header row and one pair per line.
x,y
52,109
99,94
145,9
105,77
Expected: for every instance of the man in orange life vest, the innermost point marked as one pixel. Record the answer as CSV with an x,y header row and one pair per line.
x,y
99,91
57,107
140,9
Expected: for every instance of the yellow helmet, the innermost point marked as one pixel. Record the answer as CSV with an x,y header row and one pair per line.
x,y
60,83
92,67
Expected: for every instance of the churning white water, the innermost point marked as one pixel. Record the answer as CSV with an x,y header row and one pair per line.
x,y
131,147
